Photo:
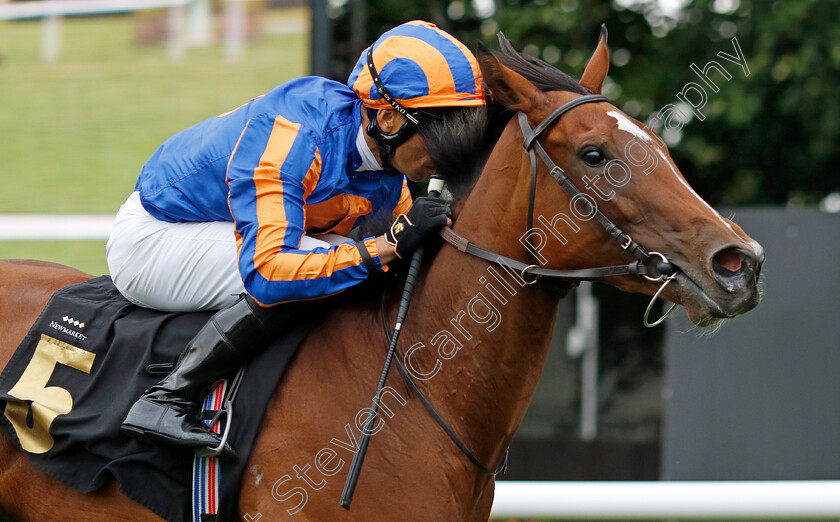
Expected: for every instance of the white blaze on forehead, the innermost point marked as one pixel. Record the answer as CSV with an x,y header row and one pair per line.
x,y
681,180
627,125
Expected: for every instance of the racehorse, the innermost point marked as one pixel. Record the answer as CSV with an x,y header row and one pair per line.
x,y
476,335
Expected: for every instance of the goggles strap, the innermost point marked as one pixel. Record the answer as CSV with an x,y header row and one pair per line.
x,y
385,93
388,143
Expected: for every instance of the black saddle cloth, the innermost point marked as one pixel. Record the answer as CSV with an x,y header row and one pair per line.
x,y
88,447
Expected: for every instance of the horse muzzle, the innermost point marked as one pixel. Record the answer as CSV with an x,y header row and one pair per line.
x,y
730,289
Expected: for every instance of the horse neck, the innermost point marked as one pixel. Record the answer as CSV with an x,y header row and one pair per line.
x,y
504,328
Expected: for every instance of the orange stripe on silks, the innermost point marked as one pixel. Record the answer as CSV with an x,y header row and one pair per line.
x,y
310,181
479,86
372,249
271,212
405,203
336,214
238,244
359,206
312,175
271,215
323,215
291,266
344,226
383,54
222,115
312,266
434,63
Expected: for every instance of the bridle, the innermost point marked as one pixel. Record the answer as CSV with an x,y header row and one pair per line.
x,y
651,265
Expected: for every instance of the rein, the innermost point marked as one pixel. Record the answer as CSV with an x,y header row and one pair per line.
x,y
653,266
435,415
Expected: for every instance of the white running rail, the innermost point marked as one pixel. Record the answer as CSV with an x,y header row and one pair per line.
x,y
701,500
731,500
39,9
179,28
51,227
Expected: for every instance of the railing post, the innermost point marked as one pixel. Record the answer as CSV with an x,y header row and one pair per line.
x,y
175,32
582,341
50,38
199,30
235,29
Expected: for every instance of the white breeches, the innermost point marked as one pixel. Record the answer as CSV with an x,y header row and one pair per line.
x,y
179,267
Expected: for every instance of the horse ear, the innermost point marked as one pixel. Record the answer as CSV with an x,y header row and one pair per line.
x,y
599,64
508,87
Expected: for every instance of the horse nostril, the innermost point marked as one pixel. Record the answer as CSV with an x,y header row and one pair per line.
x,y
728,262
736,270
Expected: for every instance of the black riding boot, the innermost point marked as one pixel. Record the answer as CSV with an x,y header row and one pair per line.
x,y
168,413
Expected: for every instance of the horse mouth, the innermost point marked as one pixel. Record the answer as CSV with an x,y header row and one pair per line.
x,y
705,309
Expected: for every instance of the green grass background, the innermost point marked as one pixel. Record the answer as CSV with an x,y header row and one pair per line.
x,y
75,133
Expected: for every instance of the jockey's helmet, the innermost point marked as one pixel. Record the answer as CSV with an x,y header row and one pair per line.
x,y
412,67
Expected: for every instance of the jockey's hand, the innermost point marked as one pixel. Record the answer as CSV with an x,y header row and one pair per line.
x,y
427,216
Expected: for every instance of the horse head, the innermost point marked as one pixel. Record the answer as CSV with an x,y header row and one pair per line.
x,y
624,170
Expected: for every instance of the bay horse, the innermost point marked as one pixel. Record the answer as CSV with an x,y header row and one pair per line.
x,y
475,338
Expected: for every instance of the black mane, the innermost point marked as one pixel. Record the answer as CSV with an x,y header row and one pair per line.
x,y
544,76
462,142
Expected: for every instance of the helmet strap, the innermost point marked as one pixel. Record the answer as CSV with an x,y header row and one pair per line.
x,y
386,94
388,143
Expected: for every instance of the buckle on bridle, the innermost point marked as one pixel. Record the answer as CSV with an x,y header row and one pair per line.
x,y
626,245
525,271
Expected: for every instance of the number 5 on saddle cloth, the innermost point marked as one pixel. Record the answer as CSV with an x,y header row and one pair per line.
x,y
65,391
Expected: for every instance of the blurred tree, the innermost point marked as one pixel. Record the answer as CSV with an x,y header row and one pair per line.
x,y
772,137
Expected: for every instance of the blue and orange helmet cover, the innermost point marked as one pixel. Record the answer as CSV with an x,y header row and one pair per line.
x,y
422,66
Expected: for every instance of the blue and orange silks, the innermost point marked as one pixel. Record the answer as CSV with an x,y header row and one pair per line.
x,y
281,166
422,66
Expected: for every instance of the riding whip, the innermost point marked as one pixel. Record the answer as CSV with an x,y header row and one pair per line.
x,y
435,187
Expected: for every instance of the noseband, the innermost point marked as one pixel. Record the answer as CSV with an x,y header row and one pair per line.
x,y
653,266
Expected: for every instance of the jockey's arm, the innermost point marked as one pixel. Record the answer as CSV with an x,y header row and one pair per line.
x,y
386,250
270,176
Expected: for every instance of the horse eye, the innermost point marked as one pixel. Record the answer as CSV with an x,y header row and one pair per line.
x,y
593,157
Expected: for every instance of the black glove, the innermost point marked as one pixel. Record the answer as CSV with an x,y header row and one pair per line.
x,y
428,215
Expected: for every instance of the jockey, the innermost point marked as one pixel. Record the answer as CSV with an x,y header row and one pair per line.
x,y
257,202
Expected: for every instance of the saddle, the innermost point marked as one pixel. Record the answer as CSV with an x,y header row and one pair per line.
x,y
87,358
